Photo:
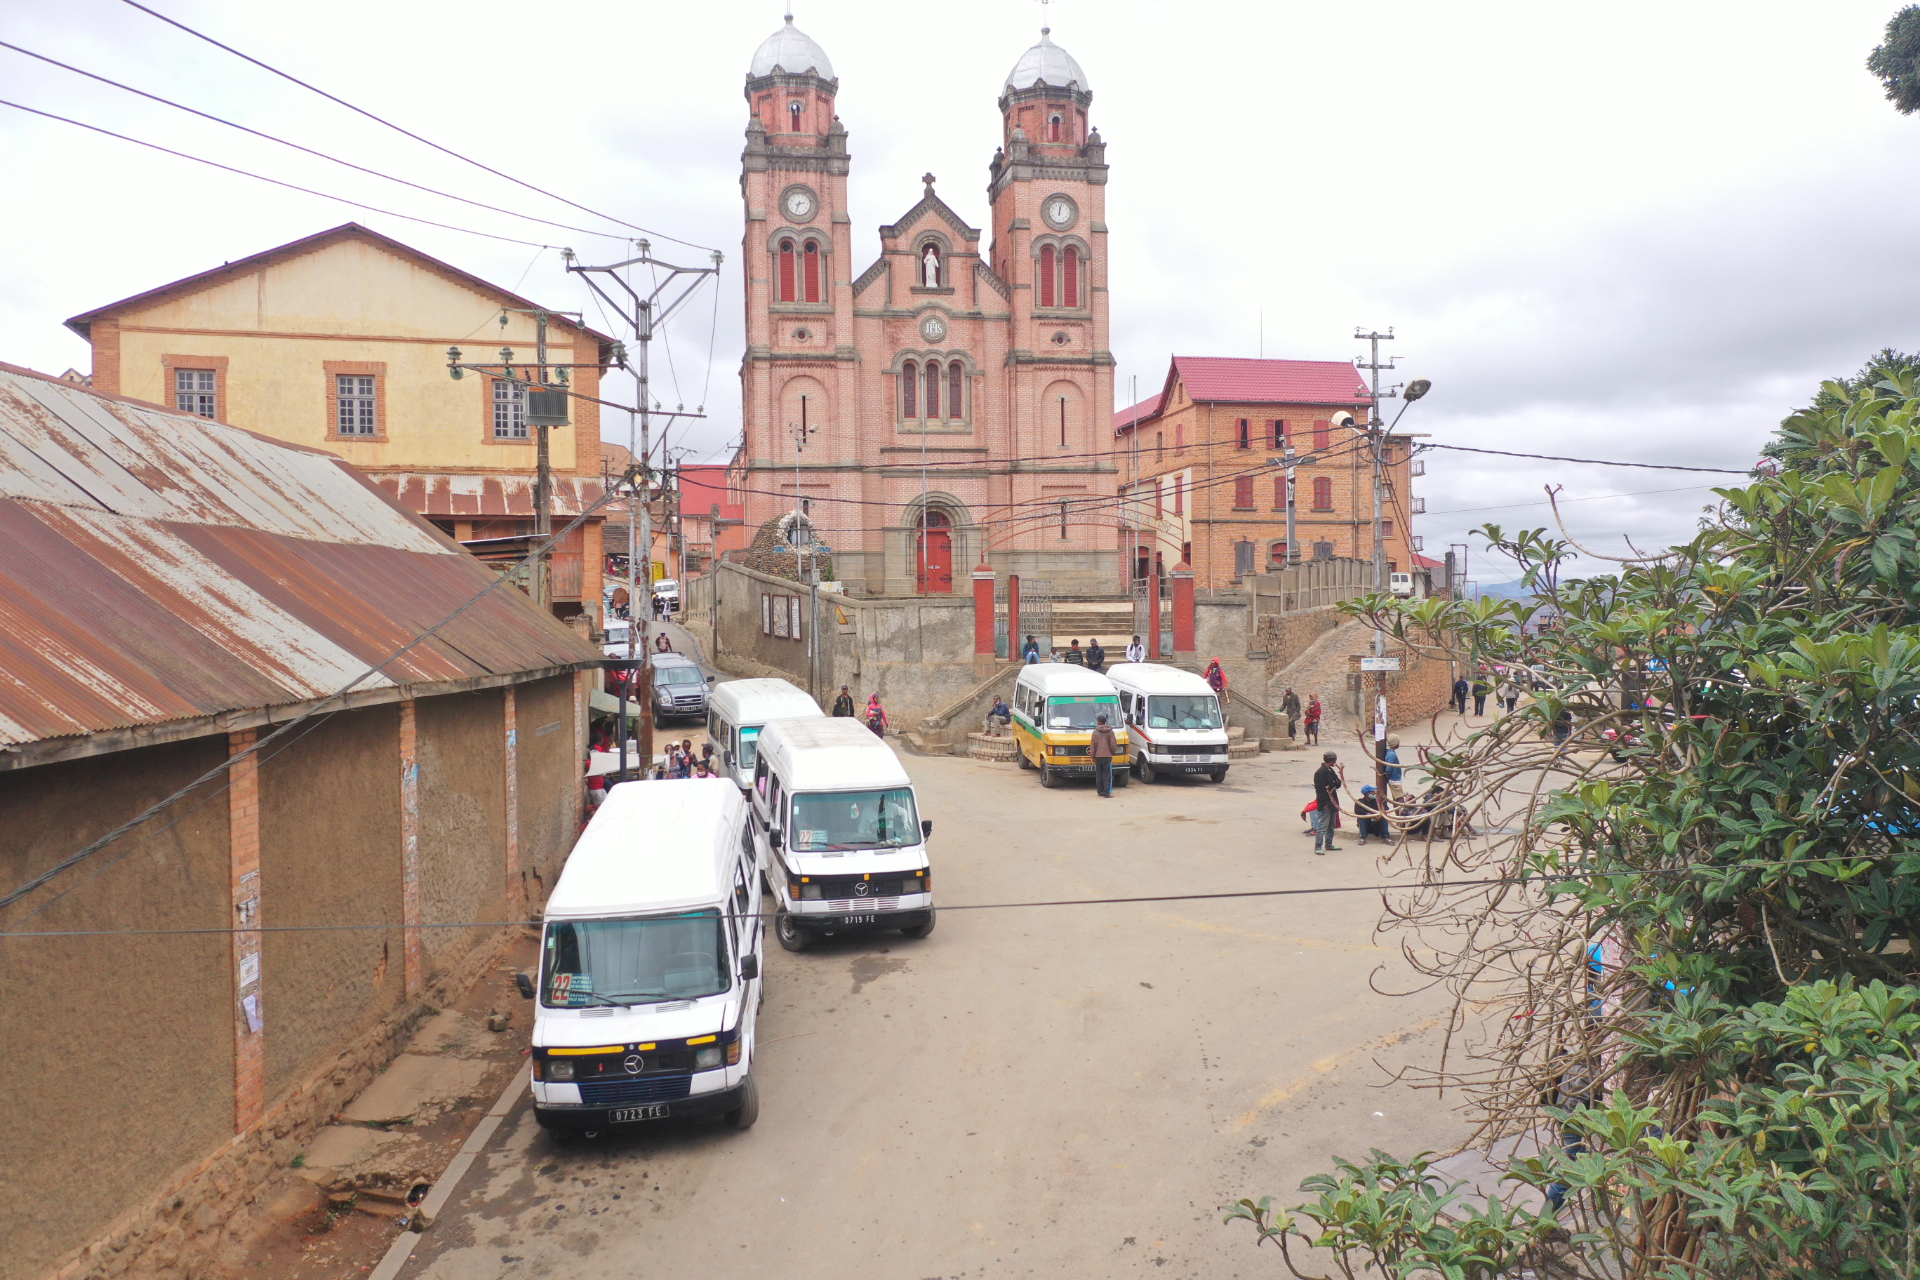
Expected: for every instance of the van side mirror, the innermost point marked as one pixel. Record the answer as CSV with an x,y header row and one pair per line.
x,y
926,827
773,837
525,983
749,967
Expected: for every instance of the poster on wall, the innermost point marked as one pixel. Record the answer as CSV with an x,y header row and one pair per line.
x,y
794,603
766,614
780,617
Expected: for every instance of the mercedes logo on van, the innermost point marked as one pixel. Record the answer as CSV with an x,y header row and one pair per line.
x,y
634,1064
860,889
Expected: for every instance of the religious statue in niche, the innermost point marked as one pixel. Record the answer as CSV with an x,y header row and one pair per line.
x,y
930,268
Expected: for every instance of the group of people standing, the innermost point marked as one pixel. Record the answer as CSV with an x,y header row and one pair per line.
x,y
1370,809
1093,657
1297,715
1506,692
874,716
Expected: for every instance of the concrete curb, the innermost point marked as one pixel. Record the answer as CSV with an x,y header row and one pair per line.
x,y
449,1180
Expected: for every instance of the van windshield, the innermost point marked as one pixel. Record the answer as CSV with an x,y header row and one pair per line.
x,y
625,962
855,820
749,746
1185,711
1079,713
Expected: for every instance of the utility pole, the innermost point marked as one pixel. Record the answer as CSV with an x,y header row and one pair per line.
x,y
809,571
645,312
1376,436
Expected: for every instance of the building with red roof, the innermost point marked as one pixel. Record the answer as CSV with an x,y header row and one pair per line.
x,y
1202,462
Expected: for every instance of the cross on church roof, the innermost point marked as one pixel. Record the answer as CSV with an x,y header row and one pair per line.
x,y
928,179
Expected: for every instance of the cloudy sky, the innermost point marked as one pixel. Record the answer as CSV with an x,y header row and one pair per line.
x,y
1639,232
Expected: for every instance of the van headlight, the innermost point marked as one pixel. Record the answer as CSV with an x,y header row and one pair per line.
x,y
708,1058
559,1070
809,890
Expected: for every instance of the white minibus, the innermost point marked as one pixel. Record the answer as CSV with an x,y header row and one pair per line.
x,y
739,709
845,846
649,978
1174,719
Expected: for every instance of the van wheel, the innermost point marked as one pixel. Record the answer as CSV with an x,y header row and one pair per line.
x,y
1146,770
1120,777
1219,775
791,935
743,1116
1020,755
1046,776
920,930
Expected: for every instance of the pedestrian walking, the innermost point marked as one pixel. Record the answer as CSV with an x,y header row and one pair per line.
x,y
1290,708
843,705
661,644
1030,653
1460,690
1216,676
1076,655
1366,812
1096,656
1104,746
1312,721
1136,652
1327,781
1509,693
876,717
1391,758
1480,691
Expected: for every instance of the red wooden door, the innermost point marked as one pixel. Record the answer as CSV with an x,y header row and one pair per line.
x,y
936,556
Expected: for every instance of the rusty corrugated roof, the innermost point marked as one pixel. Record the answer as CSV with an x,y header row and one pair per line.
x,y
160,567
445,495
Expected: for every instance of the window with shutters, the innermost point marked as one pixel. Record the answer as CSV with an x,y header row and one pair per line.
x,y
812,257
1243,552
1243,493
1322,494
1158,509
1277,431
1244,439
1280,493
1179,495
1070,278
1322,436
786,291
1046,275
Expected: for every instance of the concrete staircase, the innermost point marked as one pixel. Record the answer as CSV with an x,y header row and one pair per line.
x,y
1239,745
1083,620
1323,669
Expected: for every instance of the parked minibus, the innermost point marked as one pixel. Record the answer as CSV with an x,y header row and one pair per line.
x,y
1055,706
739,709
649,977
845,847
1174,719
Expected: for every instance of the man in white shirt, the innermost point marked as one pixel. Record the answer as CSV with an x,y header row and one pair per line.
x,y
1136,652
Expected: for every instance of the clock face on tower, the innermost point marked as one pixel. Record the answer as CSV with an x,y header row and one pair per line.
x,y
1060,212
798,203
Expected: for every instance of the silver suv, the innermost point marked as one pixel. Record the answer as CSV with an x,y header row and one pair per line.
x,y
679,688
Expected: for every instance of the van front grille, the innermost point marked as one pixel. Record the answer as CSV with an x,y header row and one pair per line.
x,y
614,1093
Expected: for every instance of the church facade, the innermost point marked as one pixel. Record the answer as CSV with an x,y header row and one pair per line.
x,y
950,399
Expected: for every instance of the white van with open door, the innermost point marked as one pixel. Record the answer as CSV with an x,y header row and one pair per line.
x,y
739,709
844,846
1174,719
649,978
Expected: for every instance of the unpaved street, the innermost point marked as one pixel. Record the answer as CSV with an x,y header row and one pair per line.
x,y
1062,1091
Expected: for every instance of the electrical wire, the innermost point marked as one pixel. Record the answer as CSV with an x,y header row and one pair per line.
x,y
1596,462
1387,886
245,173
1598,497
358,168
198,35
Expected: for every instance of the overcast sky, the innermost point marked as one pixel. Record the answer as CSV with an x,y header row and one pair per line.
x,y
1640,232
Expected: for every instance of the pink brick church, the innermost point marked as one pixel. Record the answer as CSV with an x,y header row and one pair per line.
x,y
989,364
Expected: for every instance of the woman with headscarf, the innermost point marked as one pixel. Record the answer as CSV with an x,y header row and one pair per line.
x,y
1312,721
876,717
1217,677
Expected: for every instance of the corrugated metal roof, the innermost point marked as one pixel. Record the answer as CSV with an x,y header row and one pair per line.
x,y
450,494
161,567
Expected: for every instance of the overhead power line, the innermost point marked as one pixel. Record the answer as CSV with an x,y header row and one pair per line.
x,y
1597,462
246,173
359,168
449,151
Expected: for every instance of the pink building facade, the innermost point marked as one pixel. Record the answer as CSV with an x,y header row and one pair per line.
x,y
954,399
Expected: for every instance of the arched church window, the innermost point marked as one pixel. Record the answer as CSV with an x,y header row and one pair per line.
x,y
1070,275
1053,127
1046,275
794,110
909,390
930,266
786,271
933,388
955,376
813,271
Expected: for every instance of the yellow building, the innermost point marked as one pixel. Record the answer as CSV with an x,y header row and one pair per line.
x,y
339,341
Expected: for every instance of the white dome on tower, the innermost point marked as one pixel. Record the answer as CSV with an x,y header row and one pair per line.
x,y
1046,62
793,51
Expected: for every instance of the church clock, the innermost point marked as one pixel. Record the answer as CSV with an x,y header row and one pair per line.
x,y
1060,212
798,204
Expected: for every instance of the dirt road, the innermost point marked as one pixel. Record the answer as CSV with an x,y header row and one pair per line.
x,y
1059,1091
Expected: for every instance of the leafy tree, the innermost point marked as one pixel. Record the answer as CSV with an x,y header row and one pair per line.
x,y
1700,952
1886,363
1897,62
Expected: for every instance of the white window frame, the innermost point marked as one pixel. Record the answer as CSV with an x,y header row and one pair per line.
x,y
197,391
355,411
509,410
